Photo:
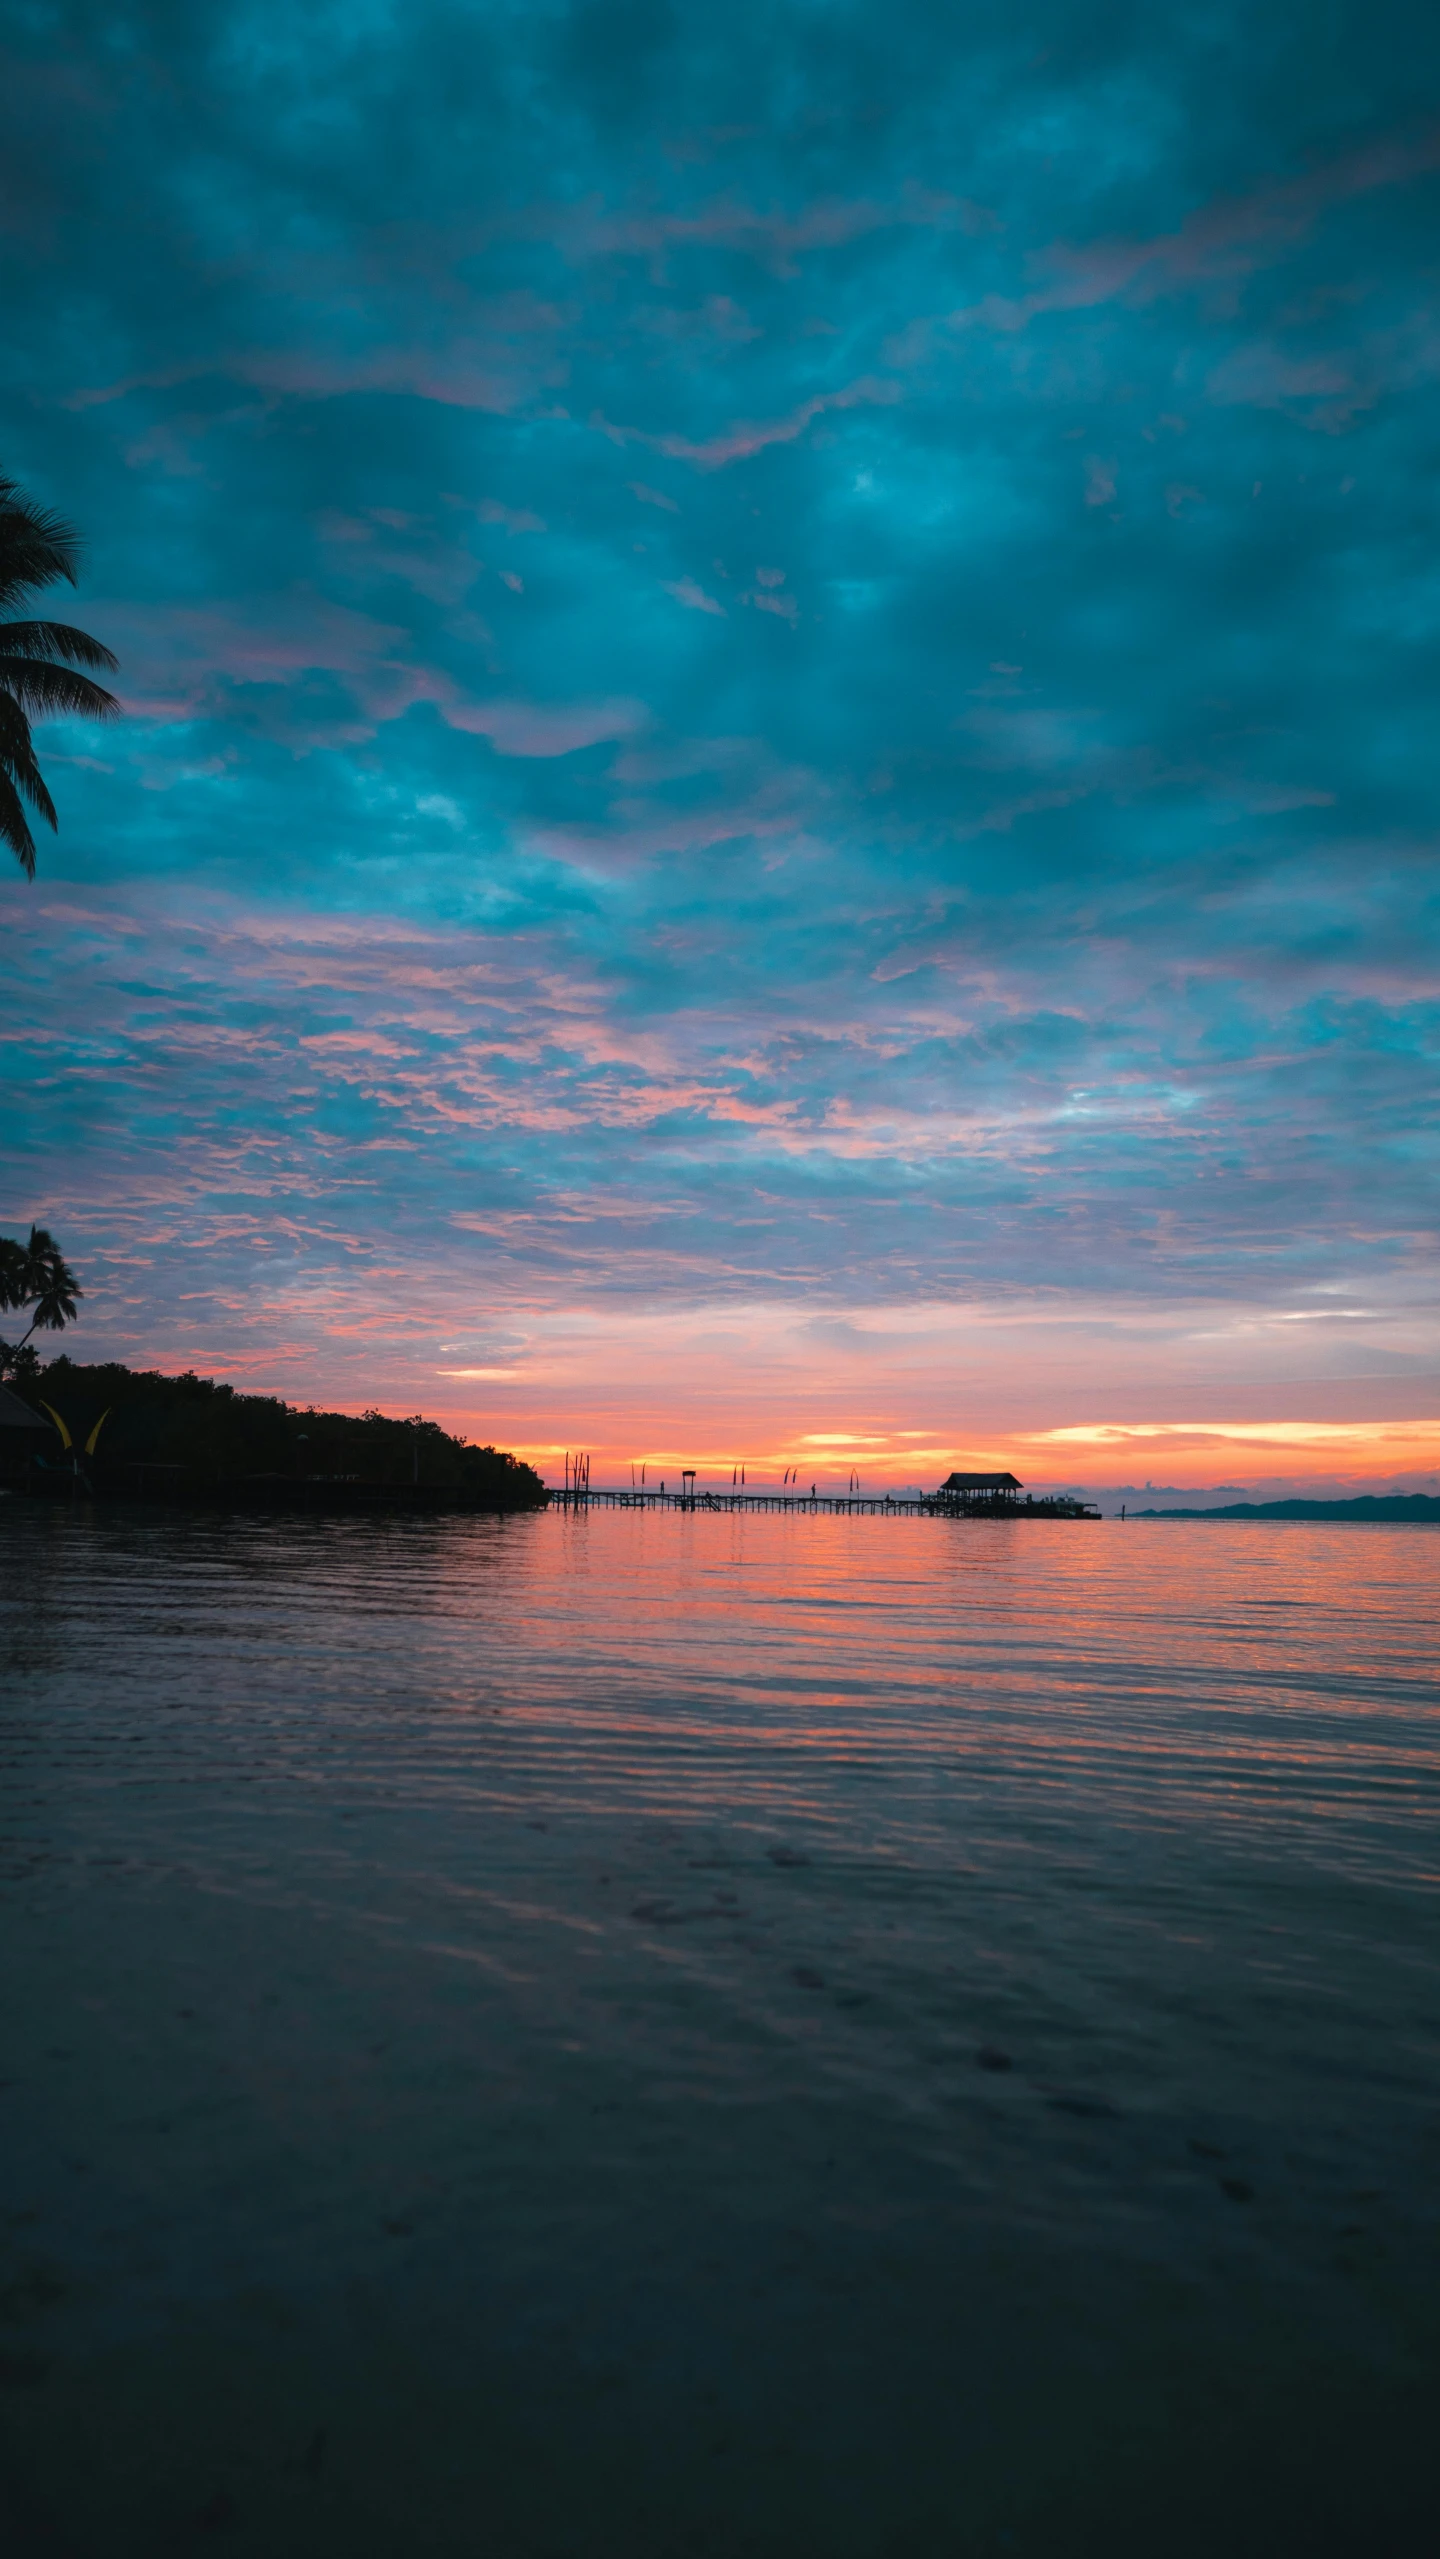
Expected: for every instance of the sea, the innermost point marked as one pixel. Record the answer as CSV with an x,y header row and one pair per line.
x,y
682,2036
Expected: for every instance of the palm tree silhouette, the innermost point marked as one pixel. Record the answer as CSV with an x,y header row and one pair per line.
x,y
36,1274
38,662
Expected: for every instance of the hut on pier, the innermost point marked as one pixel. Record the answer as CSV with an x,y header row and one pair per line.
x,y
980,1492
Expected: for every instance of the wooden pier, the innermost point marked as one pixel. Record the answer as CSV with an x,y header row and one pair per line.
x,y
850,1505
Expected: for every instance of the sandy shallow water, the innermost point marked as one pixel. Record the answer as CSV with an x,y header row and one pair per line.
x,y
656,2035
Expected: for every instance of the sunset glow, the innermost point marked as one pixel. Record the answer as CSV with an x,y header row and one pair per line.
x,y
777,795
720,1502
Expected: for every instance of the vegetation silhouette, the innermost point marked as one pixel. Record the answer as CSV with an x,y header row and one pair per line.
x,y
190,1437
39,662
1372,1506
35,1274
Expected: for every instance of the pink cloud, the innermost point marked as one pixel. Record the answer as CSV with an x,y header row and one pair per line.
x,y
176,655
544,728
514,519
685,591
1222,242
442,571
773,239
641,829
783,605
460,372
1261,377
738,442
183,657
718,321
999,821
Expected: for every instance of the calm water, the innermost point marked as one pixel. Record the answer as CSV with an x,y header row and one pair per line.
x,y
661,2035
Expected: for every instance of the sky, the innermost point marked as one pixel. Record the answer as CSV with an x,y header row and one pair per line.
x,y
778,798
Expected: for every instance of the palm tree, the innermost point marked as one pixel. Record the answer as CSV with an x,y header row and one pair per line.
x,y
38,662
36,1274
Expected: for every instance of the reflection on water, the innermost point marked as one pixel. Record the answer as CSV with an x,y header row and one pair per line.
x,y
658,2034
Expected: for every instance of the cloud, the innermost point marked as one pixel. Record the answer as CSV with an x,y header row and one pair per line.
x,y
544,729
464,374
1010,995
514,519
188,663
783,605
1320,390
1222,243
739,442
773,239
685,591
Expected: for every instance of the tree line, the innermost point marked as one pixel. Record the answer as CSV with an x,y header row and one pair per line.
x,y
201,1431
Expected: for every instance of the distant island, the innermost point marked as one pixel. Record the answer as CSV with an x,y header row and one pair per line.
x,y
1376,1507
116,1430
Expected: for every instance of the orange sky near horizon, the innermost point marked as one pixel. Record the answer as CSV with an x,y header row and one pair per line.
x,y
1334,1393
1103,1455
1110,1397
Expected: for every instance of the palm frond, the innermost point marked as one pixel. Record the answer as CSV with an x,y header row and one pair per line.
x,y
17,756
12,1273
55,1309
37,1275
24,776
37,546
54,640
53,1288
47,692
14,830
17,760
39,674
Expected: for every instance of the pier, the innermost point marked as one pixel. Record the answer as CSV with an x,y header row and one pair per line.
x,y
850,1505
961,1496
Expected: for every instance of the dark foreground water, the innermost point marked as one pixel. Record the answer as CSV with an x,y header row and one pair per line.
x,y
654,2035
